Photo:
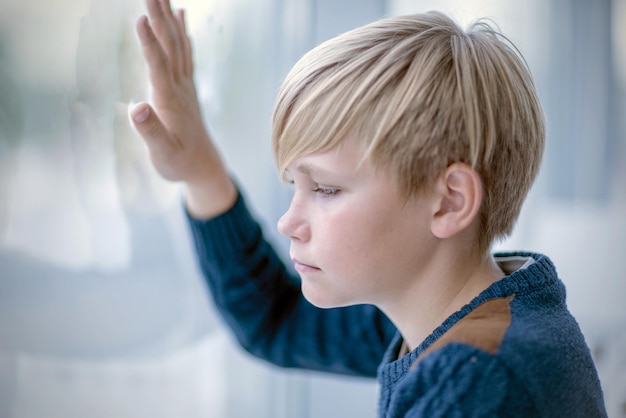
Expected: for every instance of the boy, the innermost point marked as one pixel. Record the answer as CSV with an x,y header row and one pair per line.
x,y
411,146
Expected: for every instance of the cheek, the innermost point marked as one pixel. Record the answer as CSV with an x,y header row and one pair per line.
x,y
357,239
377,240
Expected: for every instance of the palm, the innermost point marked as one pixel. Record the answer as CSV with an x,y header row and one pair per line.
x,y
181,150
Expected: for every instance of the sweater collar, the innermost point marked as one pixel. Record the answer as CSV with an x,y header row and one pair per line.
x,y
533,277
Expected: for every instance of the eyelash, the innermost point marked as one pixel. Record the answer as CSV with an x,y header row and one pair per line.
x,y
326,192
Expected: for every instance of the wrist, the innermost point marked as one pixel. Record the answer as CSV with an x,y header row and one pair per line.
x,y
205,200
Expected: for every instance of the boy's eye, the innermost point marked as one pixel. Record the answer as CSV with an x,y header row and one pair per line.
x,y
325,191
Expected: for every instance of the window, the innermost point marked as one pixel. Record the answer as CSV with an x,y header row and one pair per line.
x,y
102,308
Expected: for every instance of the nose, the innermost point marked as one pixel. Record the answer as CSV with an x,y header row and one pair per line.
x,y
293,224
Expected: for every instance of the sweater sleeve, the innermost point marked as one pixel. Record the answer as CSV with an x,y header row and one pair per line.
x,y
261,302
461,381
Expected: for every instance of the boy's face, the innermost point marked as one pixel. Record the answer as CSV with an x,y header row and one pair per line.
x,y
352,240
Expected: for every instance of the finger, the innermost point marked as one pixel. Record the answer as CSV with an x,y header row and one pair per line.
x,y
179,35
159,69
151,129
187,51
165,28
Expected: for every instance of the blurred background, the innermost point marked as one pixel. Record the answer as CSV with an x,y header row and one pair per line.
x,y
103,312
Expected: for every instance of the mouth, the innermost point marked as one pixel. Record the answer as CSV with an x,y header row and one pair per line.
x,y
304,268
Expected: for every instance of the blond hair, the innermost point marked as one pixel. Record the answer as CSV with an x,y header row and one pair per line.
x,y
420,93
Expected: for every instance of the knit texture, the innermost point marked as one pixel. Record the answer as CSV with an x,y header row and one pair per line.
x,y
542,365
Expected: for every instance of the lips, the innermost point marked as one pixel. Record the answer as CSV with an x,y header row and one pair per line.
x,y
304,268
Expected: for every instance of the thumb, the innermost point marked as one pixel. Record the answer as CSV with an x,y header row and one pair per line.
x,y
148,125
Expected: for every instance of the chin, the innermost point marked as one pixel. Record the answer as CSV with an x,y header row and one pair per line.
x,y
324,299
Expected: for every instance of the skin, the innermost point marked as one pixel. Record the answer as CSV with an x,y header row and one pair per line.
x,y
180,146
352,239
346,224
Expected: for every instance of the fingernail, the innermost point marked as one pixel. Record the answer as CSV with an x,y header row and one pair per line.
x,y
142,116
144,22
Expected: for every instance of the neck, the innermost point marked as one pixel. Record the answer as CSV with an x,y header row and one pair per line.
x,y
449,282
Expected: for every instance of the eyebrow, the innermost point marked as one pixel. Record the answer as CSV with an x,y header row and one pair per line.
x,y
313,170
307,169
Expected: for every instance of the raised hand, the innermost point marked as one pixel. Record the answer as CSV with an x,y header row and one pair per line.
x,y
180,146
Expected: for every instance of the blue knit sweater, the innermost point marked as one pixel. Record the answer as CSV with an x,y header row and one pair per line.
x,y
513,351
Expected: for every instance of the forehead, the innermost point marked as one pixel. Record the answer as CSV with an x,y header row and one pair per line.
x,y
346,158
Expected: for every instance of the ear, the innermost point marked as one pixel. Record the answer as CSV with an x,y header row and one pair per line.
x,y
458,197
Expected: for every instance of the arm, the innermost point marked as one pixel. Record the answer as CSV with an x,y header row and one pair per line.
x,y
260,301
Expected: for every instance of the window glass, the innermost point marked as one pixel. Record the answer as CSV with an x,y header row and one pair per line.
x,y
102,309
